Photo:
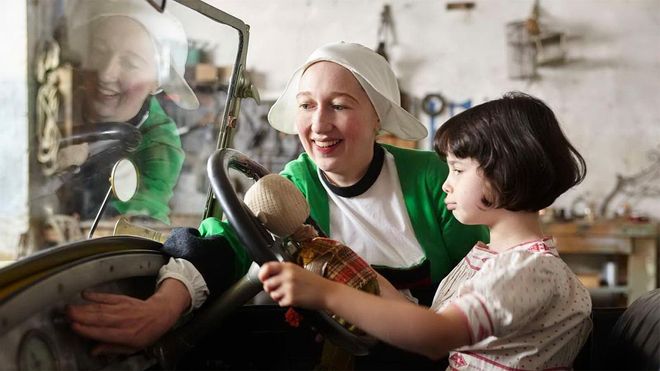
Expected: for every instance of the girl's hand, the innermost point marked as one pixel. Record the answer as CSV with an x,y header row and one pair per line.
x,y
290,285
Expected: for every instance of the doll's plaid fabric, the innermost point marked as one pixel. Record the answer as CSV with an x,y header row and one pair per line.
x,y
337,262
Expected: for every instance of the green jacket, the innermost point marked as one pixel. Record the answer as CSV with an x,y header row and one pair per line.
x,y
159,159
444,240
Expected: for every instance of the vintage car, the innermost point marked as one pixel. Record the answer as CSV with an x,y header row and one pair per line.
x,y
132,138
133,122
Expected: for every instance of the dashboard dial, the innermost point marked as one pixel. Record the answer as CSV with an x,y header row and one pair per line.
x,y
36,353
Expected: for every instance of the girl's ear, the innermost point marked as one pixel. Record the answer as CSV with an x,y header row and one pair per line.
x,y
489,197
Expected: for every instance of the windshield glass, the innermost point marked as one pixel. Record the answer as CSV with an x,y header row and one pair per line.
x,y
116,79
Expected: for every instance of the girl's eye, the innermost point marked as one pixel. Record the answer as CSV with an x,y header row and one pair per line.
x,y
303,106
457,171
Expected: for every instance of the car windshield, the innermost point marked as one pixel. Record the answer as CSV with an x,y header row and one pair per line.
x,y
118,80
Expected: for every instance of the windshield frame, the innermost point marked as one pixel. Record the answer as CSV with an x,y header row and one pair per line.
x,y
237,84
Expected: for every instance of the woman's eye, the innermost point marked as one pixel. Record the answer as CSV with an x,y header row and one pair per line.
x,y
133,62
129,65
457,171
303,106
338,107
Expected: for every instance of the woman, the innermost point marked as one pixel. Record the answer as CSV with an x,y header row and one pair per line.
x,y
384,202
130,53
351,182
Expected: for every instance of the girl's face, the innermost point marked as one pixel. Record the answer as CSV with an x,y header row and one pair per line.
x,y
121,60
336,122
465,188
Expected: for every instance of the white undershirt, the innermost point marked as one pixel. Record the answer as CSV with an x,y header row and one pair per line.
x,y
376,224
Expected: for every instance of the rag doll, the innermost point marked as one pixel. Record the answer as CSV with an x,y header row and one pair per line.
x,y
283,210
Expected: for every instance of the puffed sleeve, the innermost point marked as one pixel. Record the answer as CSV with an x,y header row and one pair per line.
x,y
508,293
186,273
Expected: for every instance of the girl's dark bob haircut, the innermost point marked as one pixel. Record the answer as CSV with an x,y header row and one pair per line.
x,y
520,148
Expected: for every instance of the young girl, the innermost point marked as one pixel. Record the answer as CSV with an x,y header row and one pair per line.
x,y
511,304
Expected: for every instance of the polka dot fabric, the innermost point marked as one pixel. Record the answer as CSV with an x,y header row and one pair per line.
x,y
525,308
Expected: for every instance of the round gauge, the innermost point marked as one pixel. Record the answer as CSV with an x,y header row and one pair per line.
x,y
36,352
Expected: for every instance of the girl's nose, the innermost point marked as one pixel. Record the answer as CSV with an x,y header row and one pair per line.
x,y
446,187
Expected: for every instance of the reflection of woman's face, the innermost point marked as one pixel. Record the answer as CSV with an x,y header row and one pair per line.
x,y
122,66
336,122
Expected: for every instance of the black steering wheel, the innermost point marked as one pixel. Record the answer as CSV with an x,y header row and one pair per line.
x,y
261,246
128,135
122,138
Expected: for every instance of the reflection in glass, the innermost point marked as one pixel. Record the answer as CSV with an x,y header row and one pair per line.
x,y
123,86
130,53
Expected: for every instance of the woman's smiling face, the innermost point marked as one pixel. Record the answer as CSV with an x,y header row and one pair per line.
x,y
336,122
121,69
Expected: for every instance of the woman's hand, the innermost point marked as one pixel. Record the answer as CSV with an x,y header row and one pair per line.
x,y
123,324
290,285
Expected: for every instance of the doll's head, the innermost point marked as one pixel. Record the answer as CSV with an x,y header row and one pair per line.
x,y
278,204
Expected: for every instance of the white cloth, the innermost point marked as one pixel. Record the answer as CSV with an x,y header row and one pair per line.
x,y
375,76
525,309
376,224
164,29
186,273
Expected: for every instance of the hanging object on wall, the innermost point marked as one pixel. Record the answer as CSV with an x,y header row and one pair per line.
x,y
454,107
460,5
386,34
52,85
531,44
433,105
643,184
521,52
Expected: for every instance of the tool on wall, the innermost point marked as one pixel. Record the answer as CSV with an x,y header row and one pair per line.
x,y
433,105
386,37
386,31
453,106
532,43
633,188
460,5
